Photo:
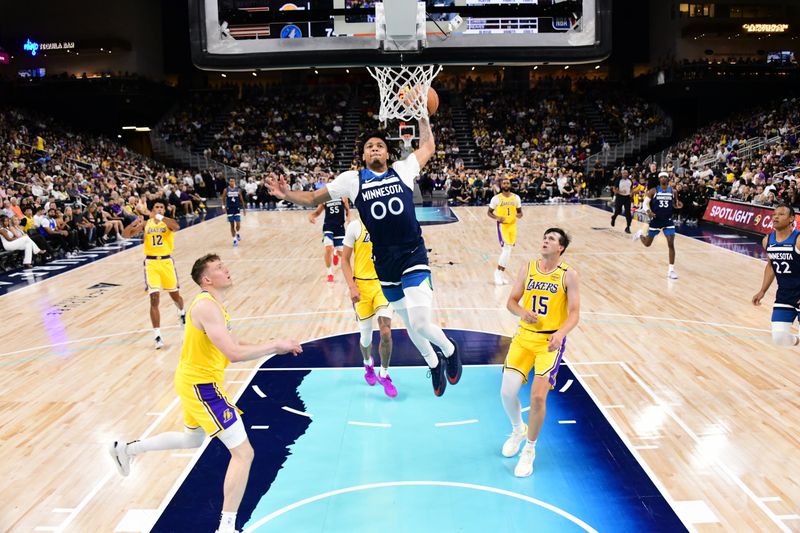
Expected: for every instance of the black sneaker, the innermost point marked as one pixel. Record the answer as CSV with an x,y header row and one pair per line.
x,y
613,221
628,229
453,365
437,378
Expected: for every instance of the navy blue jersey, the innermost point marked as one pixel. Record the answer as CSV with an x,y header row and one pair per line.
x,y
785,263
232,201
386,206
662,203
334,217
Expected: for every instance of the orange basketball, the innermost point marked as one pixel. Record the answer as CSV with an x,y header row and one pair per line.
x,y
433,101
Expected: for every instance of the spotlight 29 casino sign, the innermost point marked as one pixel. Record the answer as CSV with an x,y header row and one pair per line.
x,y
748,217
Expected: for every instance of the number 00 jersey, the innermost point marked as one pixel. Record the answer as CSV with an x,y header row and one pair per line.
x,y
546,295
158,239
785,263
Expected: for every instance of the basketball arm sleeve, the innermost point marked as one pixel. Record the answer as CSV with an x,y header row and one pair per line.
x,y
646,205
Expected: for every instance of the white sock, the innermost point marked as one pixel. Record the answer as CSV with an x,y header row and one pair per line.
x,y
369,362
518,427
227,523
181,312
530,443
330,270
157,331
171,440
431,359
384,372
671,268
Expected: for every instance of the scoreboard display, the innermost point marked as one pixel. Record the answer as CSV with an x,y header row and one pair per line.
x,y
247,34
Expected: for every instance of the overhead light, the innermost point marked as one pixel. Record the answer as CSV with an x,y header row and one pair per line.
x,y
536,67
566,67
128,127
473,68
597,67
119,136
145,128
224,75
102,50
316,71
255,75
347,70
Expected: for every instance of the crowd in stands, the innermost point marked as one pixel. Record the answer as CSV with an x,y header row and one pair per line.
x,y
751,157
69,192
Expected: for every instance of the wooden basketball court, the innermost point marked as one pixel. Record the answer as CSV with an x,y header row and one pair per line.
x,y
684,370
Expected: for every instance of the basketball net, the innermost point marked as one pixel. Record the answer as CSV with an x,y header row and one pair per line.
x,y
404,90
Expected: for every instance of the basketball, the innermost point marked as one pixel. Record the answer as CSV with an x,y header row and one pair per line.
x,y
433,101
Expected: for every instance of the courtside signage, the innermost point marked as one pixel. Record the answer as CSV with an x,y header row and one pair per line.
x,y
742,216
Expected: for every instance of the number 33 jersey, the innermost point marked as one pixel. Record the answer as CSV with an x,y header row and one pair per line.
x,y
546,295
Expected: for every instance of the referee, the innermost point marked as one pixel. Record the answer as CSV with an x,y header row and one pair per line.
x,y
622,199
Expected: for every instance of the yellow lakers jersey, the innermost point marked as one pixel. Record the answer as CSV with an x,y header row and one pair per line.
x,y
546,295
159,240
201,361
506,207
363,267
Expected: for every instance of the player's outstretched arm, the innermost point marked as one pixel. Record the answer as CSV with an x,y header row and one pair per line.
x,y
769,277
206,315
517,289
427,145
279,188
572,286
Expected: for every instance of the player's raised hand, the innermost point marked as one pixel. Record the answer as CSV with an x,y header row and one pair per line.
x,y
758,297
277,187
529,316
288,346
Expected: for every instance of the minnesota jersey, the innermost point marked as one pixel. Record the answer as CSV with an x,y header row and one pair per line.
x,y
201,361
233,200
158,239
546,295
506,207
334,217
662,204
785,263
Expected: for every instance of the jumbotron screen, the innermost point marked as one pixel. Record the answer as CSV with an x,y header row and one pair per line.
x,y
279,33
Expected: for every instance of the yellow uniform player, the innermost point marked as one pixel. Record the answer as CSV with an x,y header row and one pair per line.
x,y
505,208
158,234
550,294
368,301
208,348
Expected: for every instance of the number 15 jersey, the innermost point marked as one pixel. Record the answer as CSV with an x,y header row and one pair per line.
x,y
546,295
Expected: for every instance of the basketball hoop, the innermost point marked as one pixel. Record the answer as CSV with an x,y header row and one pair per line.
x,y
407,138
404,90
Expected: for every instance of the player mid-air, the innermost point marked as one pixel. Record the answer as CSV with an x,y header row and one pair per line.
x,y
383,193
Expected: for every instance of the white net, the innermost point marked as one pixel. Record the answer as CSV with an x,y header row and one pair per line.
x,y
404,90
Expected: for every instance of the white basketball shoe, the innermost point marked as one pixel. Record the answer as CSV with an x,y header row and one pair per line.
x,y
512,444
524,466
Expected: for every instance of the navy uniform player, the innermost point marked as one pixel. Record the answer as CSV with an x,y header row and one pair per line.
x,y
234,205
659,204
383,193
783,265
336,212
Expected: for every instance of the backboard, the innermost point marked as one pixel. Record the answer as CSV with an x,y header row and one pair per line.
x,y
279,34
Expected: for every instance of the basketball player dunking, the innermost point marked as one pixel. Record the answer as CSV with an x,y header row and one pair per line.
x,y
783,265
368,301
659,204
208,348
234,205
384,197
505,208
336,212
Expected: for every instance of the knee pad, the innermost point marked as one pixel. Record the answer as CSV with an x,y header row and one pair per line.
x,y
193,438
782,334
365,330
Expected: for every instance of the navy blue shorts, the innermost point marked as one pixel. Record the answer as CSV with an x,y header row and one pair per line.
x,y
786,307
234,217
391,262
661,224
